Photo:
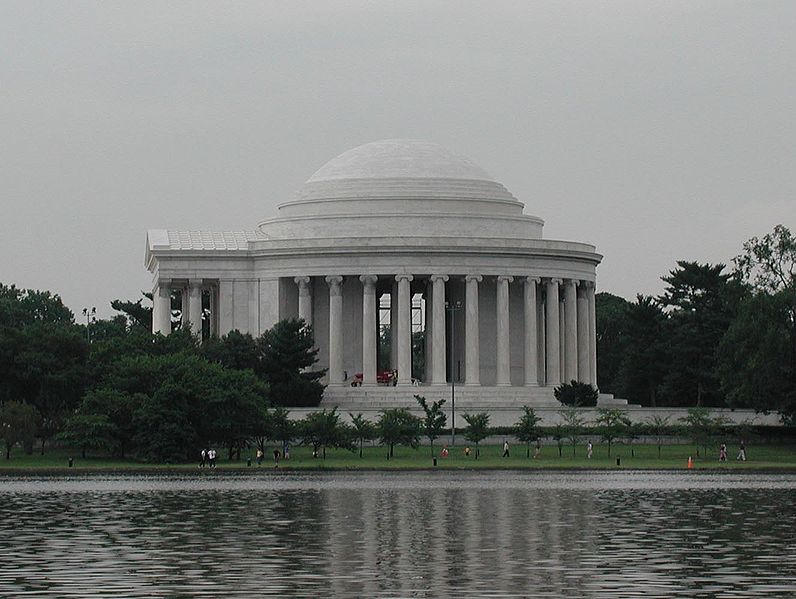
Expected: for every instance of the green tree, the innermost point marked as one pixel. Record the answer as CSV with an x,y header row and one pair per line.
x,y
136,314
288,353
699,299
769,264
477,429
559,436
233,350
757,356
113,407
17,424
659,426
283,429
527,428
576,394
88,431
397,426
164,430
611,314
363,429
572,424
698,426
612,424
323,429
44,364
434,421
645,357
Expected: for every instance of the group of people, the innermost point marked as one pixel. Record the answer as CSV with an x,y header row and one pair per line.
x,y
208,458
277,455
741,457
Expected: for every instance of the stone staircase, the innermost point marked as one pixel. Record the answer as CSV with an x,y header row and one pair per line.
x,y
475,398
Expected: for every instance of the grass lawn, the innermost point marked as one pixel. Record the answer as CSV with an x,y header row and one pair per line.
x,y
673,457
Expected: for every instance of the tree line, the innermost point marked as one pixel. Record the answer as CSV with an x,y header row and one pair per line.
x,y
717,336
113,385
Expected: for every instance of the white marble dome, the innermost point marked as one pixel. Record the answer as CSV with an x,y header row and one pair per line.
x,y
399,158
392,187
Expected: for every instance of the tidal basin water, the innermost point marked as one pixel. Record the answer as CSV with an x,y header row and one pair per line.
x,y
434,534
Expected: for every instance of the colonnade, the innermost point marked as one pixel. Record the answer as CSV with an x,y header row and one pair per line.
x,y
191,291
566,325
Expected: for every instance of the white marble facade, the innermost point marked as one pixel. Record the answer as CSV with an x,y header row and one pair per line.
x,y
408,219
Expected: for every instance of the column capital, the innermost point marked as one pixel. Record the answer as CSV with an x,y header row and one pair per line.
x,y
334,282
506,278
403,277
555,280
476,278
571,282
587,284
164,288
443,278
369,281
301,281
536,280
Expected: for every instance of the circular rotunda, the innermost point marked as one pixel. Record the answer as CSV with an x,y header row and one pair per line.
x,y
414,267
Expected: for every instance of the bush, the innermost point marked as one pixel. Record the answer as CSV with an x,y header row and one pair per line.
x,y
577,395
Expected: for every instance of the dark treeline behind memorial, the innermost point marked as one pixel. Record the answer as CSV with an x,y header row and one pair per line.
x,y
717,336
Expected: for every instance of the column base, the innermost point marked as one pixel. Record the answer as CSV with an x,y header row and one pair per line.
x,y
473,384
502,384
532,385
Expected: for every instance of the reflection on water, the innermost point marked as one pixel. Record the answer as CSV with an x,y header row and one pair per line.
x,y
408,535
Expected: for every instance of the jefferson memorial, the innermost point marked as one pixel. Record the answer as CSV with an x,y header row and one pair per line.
x,y
405,233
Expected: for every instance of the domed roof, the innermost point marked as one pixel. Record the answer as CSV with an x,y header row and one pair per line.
x,y
403,169
401,188
400,158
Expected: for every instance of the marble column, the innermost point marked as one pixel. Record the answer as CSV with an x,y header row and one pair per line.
x,y
404,329
531,334
438,342
369,329
335,329
304,299
472,348
184,307
552,335
394,326
503,346
213,297
195,306
590,289
428,331
161,309
571,324
584,334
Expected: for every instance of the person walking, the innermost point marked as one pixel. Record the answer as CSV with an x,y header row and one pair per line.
x,y
589,449
722,453
741,452
538,449
259,456
505,449
204,458
211,454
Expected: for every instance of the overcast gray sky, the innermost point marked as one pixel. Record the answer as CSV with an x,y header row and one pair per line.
x,y
656,130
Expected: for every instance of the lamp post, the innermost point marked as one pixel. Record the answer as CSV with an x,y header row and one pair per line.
x,y
91,317
452,308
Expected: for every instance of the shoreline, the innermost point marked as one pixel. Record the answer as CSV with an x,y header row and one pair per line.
x,y
271,471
